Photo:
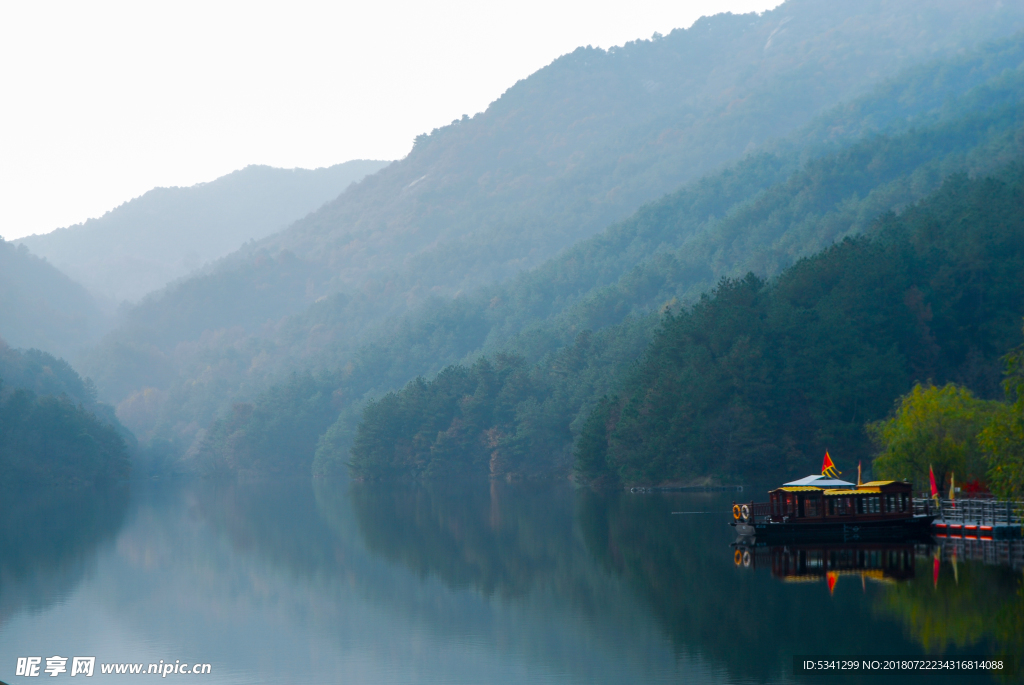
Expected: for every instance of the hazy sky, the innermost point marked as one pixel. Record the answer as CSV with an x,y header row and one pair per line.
x,y
102,101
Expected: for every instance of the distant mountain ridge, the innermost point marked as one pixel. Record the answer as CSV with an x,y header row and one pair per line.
x,y
42,307
592,136
166,233
578,145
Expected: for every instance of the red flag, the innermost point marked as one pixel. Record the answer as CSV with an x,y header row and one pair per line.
x,y
935,490
827,467
831,577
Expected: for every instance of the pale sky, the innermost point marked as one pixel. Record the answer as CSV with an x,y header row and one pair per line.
x,y
101,101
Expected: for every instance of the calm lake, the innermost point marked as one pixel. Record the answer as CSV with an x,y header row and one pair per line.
x,y
491,583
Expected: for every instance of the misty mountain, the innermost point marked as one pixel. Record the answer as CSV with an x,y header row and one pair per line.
x,y
167,233
42,307
562,154
760,214
582,143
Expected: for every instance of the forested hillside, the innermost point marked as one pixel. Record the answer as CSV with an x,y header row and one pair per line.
x,y
573,315
41,307
166,233
757,377
52,429
562,154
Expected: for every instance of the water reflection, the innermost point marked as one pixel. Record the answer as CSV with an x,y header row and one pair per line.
x,y
48,541
360,583
881,562
960,605
492,537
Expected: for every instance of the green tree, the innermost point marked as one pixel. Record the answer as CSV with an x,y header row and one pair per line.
x,y
1003,438
933,427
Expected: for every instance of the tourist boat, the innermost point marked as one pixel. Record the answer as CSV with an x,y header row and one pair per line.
x,y
823,508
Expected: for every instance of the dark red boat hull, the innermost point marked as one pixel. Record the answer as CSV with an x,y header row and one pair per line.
x,y
839,531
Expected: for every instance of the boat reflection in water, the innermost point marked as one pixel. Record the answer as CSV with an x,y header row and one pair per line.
x,y
881,562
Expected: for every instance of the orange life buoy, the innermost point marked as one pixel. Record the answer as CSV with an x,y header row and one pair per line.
x,y
736,513
737,557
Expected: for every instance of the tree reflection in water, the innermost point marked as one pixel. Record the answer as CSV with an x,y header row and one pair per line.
x,y
945,605
48,538
978,607
496,538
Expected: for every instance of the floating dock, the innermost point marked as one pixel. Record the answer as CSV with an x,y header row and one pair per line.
x,y
975,519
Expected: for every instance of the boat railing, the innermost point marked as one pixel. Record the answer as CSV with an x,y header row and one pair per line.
x,y
983,512
760,512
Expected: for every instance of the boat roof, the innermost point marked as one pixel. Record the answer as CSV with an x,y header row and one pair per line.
x,y
819,481
831,491
877,483
859,491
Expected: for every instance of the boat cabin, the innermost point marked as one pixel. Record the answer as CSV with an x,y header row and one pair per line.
x,y
877,500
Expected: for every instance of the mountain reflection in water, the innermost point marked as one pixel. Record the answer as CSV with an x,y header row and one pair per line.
x,y
470,583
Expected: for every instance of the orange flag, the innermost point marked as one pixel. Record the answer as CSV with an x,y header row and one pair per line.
x,y
828,468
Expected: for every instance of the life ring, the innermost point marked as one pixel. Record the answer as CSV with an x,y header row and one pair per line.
x,y
745,511
737,557
746,558
736,515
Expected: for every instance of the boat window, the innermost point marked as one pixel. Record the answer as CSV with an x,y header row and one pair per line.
x,y
811,506
860,505
903,502
831,506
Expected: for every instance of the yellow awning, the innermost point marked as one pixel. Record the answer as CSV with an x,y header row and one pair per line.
x,y
859,491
